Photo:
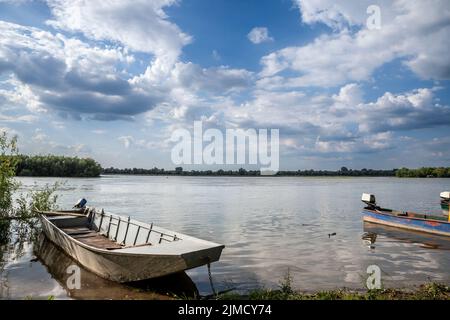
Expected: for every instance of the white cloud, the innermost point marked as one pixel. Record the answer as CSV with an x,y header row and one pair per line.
x,y
140,25
341,123
40,137
259,35
338,14
218,80
419,39
9,131
350,94
130,141
78,79
20,95
29,118
68,75
94,76
407,111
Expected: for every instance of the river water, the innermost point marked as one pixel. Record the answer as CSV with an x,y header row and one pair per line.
x,y
309,227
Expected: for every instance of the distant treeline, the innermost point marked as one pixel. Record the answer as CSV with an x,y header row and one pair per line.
x,y
425,172
345,172
181,172
56,166
243,172
60,166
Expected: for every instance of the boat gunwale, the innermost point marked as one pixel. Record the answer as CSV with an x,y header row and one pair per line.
x,y
116,251
95,249
386,213
374,220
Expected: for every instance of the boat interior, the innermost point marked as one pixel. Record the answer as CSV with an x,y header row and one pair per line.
x,y
408,214
110,232
371,204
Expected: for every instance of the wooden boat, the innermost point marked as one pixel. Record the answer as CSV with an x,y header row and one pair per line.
x,y
433,224
122,249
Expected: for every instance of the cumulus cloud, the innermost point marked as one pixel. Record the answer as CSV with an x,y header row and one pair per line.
x,y
139,25
259,35
19,95
349,95
408,111
339,14
218,80
68,76
116,60
40,136
341,123
345,55
22,118
76,79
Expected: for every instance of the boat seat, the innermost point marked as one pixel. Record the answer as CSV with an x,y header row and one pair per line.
x,y
85,235
99,241
76,231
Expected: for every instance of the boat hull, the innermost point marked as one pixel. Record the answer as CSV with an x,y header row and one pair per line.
x,y
422,225
126,267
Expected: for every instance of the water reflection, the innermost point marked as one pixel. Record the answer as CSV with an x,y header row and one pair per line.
x,y
94,287
424,240
39,270
369,238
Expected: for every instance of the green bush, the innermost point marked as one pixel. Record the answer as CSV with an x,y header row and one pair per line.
x,y
424,172
38,198
56,166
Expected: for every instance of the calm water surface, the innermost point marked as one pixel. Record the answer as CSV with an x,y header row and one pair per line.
x,y
269,226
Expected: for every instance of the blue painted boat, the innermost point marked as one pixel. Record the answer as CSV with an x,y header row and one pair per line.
x,y
433,224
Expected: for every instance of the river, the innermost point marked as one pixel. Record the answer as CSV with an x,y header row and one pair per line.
x,y
310,226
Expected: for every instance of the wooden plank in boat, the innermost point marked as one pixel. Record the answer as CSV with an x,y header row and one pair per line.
x,y
77,230
100,242
85,235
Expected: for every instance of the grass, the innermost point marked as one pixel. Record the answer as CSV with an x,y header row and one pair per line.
x,y
428,291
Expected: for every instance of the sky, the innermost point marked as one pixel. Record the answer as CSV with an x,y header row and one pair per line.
x,y
113,79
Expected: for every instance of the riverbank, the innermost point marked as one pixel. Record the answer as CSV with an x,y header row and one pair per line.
x,y
428,291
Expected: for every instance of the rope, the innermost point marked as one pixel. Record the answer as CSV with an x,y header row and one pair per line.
x,y
211,280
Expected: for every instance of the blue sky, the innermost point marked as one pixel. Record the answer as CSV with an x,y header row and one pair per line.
x,y
112,80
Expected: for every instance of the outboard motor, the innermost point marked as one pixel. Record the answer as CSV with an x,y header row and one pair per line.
x,y
445,201
369,200
81,203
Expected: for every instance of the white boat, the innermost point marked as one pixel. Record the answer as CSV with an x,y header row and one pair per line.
x,y
122,249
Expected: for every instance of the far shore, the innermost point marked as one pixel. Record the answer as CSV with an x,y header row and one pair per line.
x,y
427,291
62,166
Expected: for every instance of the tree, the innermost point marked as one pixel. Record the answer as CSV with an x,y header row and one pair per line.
x,y
8,163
